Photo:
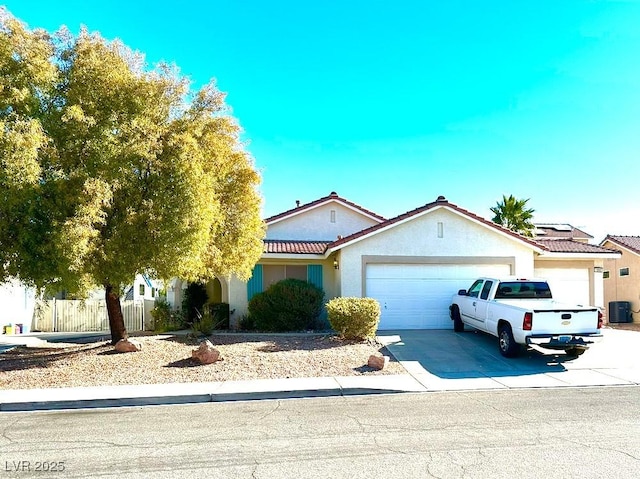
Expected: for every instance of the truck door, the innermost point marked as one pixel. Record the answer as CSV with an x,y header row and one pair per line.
x,y
482,303
468,306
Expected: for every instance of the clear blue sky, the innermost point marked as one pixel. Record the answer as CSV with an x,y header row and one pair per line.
x,y
392,103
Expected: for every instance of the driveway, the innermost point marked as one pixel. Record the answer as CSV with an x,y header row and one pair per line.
x,y
445,360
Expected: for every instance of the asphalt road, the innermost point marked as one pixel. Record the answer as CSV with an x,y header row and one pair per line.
x,y
536,433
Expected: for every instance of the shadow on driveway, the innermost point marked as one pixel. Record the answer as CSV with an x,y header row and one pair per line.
x,y
470,354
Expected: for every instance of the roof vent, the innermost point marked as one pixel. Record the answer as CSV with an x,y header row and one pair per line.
x,y
441,199
333,193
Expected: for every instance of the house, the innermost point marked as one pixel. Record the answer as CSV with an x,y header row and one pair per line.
x,y
18,303
412,263
560,231
622,274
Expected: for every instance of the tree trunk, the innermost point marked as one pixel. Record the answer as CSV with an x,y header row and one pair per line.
x,y
114,311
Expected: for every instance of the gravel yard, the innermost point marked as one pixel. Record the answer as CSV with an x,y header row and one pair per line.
x,y
167,359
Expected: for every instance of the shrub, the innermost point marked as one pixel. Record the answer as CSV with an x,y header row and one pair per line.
x,y
288,305
246,323
354,318
204,324
166,319
220,313
213,317
195,296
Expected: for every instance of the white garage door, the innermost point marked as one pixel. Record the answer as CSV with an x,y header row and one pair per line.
x,y
417,296
569,285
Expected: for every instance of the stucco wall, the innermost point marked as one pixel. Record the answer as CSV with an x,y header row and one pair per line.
x,y
623,288
316,224
461,238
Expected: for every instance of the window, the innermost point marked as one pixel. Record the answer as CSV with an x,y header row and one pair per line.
x,y
141,290
485,290
605,275
474,291
523,290
440,229
333,216
264,276
272,273
624,271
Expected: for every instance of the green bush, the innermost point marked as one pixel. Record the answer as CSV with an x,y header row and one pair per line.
x,y
354,318
288,305
166,319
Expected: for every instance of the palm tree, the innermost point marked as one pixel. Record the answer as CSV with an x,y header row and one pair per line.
x,y
512,213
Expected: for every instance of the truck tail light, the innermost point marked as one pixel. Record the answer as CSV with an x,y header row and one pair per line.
x,y
527,322
599,319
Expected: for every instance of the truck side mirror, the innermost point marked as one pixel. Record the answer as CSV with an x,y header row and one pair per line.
x,y
462,292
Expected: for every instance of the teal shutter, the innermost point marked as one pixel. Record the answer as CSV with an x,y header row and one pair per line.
x,y
254,285
314,275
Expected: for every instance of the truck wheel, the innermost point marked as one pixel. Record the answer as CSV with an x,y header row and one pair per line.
x,y
574,351
508,346
458,325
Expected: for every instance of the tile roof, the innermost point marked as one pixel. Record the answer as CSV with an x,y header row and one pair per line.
x,y
630,242
569,246
332,196
441,201
552,245
295,247
560,231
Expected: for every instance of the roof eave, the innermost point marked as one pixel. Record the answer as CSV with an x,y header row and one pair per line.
x,y
579,255
319,256
514,237
309,207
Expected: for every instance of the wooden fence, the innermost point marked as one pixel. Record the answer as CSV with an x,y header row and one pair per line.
x,y
57,315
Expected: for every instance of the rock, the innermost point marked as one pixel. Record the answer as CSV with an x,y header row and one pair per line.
x,y
378,362
128,346
206,353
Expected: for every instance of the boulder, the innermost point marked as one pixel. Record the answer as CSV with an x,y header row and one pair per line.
x,y
378,362
206,353
128,346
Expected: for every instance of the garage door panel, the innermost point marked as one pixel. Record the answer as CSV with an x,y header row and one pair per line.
x,y
417,296
569,285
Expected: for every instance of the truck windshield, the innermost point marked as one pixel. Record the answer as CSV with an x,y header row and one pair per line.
x,y
523,290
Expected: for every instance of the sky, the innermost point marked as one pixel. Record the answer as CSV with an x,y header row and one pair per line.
x,y
393,103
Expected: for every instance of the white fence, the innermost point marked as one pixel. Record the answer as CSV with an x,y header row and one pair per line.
x,y
57,315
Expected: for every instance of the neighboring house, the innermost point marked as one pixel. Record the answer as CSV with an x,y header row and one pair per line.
x,y
561,231
143,287
17,303
622,275
412,264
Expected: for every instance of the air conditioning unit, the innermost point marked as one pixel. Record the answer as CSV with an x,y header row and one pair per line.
x,y
620,312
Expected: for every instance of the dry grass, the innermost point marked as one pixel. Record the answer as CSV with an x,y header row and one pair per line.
x,y
167,359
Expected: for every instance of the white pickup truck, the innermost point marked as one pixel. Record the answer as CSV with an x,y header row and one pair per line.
x,y
521,312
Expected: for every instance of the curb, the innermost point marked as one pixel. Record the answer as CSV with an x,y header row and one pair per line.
x,y
17,400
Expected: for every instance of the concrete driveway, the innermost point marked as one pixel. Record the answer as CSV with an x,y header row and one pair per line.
x,y
445,360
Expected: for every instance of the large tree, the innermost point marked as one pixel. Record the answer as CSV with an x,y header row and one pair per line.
x,y
110,168
513,213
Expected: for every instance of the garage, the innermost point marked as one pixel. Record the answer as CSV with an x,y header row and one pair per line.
x,y
569,285
417,296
